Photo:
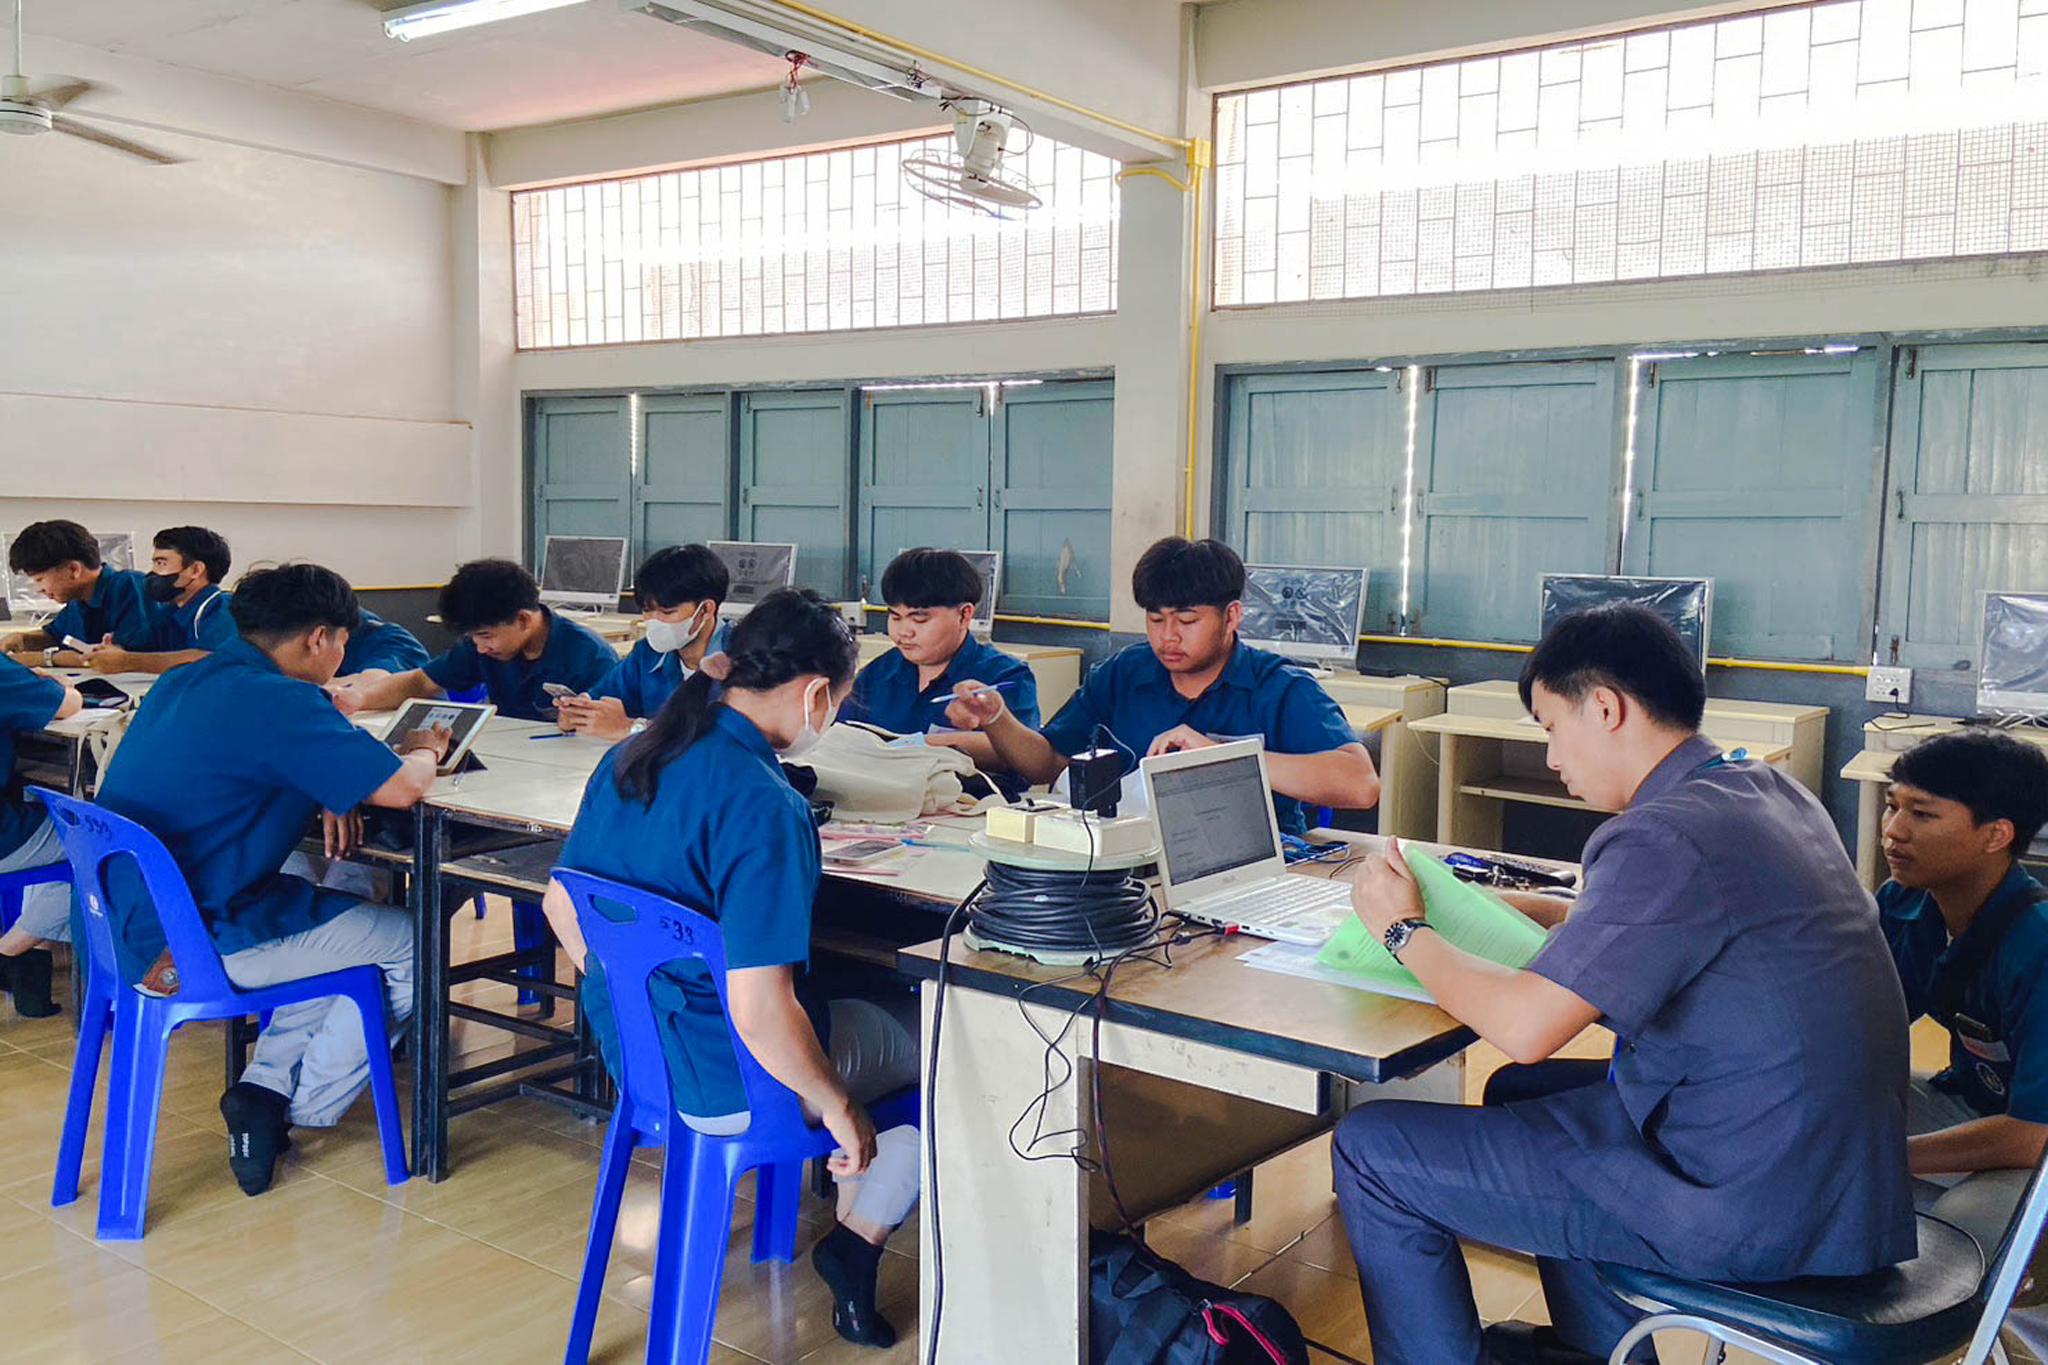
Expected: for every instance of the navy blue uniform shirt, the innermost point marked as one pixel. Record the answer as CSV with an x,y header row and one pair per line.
x,y
118,607
227,761
647,677
205,622
28,701
1258,693
726,836
574,656
1758,1103
2002,1068
886,693
378,643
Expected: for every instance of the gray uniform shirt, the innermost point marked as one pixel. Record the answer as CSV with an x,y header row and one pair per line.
x,y
1757,1115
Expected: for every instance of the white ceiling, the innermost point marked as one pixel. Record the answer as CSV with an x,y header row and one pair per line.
x,y
569,63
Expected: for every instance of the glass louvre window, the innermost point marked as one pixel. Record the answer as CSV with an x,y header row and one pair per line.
x,y
1823,135
821,242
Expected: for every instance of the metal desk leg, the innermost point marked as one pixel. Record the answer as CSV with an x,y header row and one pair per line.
x,y
430,998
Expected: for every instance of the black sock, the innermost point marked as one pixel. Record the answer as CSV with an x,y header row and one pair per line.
x,y
28,977
256,1133
849,1264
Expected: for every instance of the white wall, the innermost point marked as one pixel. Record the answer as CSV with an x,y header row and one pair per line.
x,y
258,340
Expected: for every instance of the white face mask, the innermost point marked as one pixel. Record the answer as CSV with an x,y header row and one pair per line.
x,y
667,637
808,737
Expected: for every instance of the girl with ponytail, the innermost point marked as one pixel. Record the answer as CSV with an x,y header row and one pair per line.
x,y
696,808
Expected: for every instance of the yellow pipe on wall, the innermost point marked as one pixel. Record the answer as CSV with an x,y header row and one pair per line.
x,y
1496,647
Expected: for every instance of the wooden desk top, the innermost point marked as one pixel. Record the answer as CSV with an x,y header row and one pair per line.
x,y
1369,720
1208,996
1872,765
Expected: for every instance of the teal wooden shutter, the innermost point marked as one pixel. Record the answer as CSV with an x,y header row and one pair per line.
x,y
795,451
924,466
1760,472
682,485
1051,453
1967,506
1514,471
1314,473
579,468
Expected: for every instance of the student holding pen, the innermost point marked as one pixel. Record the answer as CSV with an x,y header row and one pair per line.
x,y
931,596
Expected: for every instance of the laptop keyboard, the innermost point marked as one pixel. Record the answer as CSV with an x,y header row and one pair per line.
x,y
1289,909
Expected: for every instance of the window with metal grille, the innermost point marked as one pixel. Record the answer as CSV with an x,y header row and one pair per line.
x,y
1822,135
822,242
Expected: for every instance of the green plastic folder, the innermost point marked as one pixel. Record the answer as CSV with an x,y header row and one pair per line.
x,y
1470,916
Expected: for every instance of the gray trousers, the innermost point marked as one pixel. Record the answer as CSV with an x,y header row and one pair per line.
x,y
45,909
1981,1203
312,1053
874,1049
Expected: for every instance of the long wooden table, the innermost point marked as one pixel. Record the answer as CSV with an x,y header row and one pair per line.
x,y
1282,1056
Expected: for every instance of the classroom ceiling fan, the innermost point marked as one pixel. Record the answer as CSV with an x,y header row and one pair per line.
x,y
984,173
27,110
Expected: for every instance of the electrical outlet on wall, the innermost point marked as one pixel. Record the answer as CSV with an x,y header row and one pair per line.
x,y
1891,686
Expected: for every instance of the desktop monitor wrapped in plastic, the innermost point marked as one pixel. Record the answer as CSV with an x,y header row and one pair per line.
x,y
2012,675
756,568
117,549
1304,612
583,571
1686,603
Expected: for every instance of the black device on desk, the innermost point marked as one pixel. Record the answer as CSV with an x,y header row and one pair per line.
x,y
1508,872
100,695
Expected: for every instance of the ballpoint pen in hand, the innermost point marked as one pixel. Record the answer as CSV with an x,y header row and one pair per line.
x,y
952,697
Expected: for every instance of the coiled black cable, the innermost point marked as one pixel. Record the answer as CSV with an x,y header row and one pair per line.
x,y
1095,912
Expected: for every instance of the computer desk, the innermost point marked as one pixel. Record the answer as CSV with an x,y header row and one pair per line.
x,y
1884,739
1280,1056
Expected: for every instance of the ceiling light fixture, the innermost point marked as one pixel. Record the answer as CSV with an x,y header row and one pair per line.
x,y
443,16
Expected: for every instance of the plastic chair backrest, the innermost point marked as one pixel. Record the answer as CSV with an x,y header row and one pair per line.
x,y
94,837
658,931
2009,1267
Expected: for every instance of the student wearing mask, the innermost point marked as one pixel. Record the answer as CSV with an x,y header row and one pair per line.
x,y
1968,930
97,605
679,590
227,761
696,808
931,596
511,646
1753,1123
1192,684
190,609
28,702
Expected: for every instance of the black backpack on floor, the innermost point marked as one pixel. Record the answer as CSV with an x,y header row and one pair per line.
x,y
1145,1310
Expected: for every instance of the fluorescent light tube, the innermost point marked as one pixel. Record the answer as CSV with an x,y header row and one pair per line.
x,y
442,16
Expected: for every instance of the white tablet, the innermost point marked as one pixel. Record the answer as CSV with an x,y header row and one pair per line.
x,y
462,719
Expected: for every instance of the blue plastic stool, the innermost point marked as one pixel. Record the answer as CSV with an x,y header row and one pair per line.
x,y
142,1024
699,1172
13,885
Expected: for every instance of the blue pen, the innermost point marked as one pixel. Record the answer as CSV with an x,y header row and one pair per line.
x,y
552,734
952,697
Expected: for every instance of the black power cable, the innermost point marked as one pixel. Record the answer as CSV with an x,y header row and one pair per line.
x,y
1034,910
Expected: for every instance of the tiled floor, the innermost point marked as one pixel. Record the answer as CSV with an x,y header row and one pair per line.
x,y
333,1265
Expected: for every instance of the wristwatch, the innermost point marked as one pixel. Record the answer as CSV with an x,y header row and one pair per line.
x,y
1400,931
50,656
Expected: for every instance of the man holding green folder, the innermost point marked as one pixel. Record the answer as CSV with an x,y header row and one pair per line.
x,y
1753,1124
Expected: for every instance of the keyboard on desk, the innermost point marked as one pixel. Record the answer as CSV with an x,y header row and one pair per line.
x,y
1289,909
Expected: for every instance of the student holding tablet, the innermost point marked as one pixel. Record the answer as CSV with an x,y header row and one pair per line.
x,y
679,589
511,646
932,596
228,762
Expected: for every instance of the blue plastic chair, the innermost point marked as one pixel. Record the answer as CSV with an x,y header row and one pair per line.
x,y
699,1173
13,885
142,1024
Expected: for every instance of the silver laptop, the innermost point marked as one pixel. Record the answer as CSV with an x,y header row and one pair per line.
x,y
1220,860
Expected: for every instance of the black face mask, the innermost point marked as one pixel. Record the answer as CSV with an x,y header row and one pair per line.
x,y
161,587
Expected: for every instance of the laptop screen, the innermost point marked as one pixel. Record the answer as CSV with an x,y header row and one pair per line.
x,y
1213,817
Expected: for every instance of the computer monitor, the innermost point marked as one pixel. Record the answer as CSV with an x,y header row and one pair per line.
x,y
1687,603
2012,673
756,568
117,549
1304,612
583,571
